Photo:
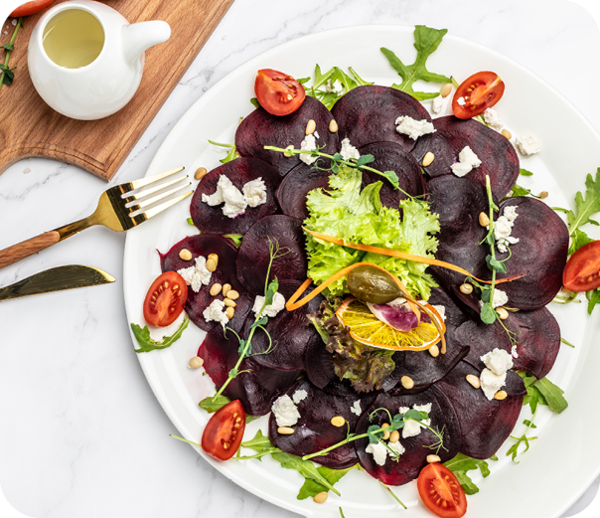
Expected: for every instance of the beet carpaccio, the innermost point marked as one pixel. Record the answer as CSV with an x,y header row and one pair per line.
x,y
312,368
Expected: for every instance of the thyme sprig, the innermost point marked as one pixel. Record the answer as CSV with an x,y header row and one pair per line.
x,y
524,439
8,75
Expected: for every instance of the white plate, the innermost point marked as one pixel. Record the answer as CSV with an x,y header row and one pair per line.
x,y
564,460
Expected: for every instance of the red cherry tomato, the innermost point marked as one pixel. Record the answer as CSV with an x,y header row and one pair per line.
x,y
582,272
277,92
223,433
441,491
478,93
165,299
32,7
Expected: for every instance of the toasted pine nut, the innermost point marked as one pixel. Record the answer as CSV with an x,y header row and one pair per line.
x,y
474,381
211,265
200,173
229,312
484,220
285,430
196,362
229,303
502,313
233,295
385,425
213,257
386,435
321,498
434,350
311,126
543,195
500,395
215,289
338,421
446,89
466,288
333,126
226,288
428,158
287,153
407,382
507,134
185,254
395,436
433,458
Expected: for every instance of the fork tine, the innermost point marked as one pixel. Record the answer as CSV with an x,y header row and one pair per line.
x,y
157,210
158,197
136,184
147,192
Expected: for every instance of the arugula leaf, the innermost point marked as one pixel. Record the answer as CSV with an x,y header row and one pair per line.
x,y
328,87
211,404
147,344
305,467
586,206
312,488
552,394
236,238
254,102
580,238
517,190
593,297
525,172
259,443
426,42
233,153
513,451
461,464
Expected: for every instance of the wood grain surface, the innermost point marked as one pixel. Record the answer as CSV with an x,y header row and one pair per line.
x,y
30,128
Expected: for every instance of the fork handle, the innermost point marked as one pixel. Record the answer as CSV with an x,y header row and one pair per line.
x,y
32,246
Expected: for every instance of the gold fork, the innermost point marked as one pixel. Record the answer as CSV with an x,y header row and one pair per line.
x,y
115,210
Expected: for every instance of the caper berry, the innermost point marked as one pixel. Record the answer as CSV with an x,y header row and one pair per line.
x,y
372,285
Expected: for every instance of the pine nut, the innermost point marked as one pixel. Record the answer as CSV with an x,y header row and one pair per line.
x,y
502,313
321,498
311,126
229,303
213,257
428,158
285,430
543,195
500,395
226,288
484,220
407,382
233,295
287,153
215,289
200,173
386,433
434,350
211,265
507,134
433,458
229,312
333,126
395,436
446,89
474,381
185,254
466,288
338,421
196,362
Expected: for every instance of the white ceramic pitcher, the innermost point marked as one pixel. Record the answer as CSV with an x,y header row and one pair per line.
x,y
88,68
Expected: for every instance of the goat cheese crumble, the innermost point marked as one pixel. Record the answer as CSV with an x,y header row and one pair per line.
x,y
348,150
437,104
490,116
355,408
528,145
498,362
500,298
285,411
299,395
230,195
467,161
411,427
413,128
272,309
196,275
379,452
503,228
216,312
309,143
255,192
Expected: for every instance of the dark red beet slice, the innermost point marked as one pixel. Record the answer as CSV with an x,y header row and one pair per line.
x,y
314,431
389,156
261,129
498,157
443,417
481,339
293,189
225,273
485,424
253,255
289,330
257,388
211,220
368,114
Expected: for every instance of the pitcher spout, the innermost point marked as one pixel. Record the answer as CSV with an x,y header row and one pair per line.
x,y
139,37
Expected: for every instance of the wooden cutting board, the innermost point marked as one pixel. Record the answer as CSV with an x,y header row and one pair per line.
x,y
30,128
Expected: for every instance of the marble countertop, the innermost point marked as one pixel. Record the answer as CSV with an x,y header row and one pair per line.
x,y
81,433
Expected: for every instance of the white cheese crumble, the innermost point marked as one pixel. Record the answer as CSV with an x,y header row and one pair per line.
x,y
355,408
348,150
491,383
216,311
513,351
528,145
411,427
490,116
272,309
467,161
197,275
396,447
335,88
309,143
285,411
413,128
503,228
230,195
500,298
379,452
299,395
255,192
498,361
437,104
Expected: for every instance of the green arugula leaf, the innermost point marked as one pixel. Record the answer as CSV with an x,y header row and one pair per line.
x,y
305,467
328,87
236,238
255,102
552,394
517,190
586,206
312,488
525,172
232,155
259,443
513,451
427,41
190,221
460,465
593,297
147,344
211,404
580,238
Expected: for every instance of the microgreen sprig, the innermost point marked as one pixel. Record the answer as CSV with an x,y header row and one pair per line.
x,y
8,75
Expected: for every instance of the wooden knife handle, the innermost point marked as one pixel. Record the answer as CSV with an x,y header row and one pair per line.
x,y
15,253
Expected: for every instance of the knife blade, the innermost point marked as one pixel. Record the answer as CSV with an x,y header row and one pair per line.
x,y
56,279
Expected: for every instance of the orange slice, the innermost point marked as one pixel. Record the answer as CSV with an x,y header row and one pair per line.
x,y
366,328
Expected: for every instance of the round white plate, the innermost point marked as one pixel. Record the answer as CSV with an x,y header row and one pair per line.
x,y
563,461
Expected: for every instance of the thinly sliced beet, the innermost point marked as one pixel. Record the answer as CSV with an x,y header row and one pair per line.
x,y
314,431
443,417
225,273
253,256
256,388
498,157
211,220
485,424
293,189
368,114
481,339
262,129
390,156
289,331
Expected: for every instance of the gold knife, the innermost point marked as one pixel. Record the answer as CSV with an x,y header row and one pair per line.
x,y
56,279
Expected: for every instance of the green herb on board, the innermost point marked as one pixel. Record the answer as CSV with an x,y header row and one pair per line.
x,y
7,76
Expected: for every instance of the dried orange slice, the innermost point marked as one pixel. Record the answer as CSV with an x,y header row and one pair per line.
x,y
366,328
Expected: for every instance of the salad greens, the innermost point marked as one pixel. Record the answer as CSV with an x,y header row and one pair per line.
x,y
461,465
147,344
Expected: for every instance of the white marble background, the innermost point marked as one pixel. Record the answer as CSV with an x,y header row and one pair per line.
x,y
81,434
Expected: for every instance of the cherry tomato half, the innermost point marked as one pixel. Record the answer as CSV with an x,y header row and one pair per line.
x,y
223,433
32,7
165,299
277,92
478,93
441,491
582,272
